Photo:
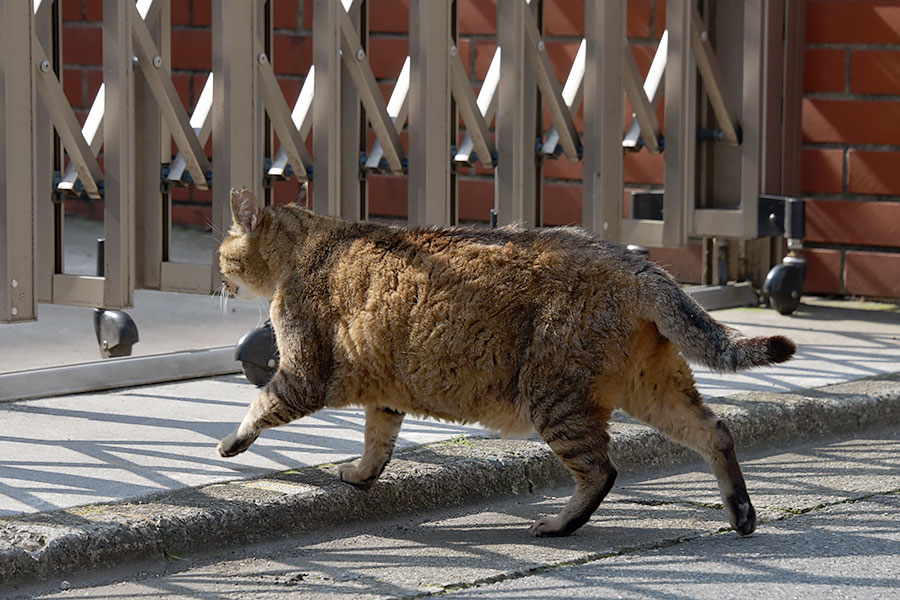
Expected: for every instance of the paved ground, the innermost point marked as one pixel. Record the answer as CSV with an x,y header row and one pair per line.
x,y
150,451
72,450
830,513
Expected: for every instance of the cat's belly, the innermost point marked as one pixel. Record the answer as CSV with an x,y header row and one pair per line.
x,y
506,418
462,400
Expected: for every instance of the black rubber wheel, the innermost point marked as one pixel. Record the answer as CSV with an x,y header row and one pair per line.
x,y
784,284
785,303
257,375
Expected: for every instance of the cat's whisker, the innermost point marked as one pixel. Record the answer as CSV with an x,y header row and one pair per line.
x,y
215,232
263,315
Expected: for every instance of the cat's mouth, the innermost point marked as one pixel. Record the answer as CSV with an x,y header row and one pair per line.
x,y
235,290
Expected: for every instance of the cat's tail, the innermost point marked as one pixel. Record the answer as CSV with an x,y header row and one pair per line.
x,y
698,336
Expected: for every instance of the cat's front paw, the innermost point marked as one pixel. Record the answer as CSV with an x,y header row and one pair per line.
x,y
547,527
349,473
741,514
234,444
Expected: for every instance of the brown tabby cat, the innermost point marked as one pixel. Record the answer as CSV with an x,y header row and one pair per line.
x,y
547,330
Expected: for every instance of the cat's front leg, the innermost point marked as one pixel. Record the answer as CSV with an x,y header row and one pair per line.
x,y
382,426
284,399
238,440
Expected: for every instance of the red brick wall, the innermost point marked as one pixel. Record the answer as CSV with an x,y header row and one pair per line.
x,y
851,147
850,122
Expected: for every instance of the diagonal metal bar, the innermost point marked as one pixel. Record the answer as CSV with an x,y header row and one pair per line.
x,y
279,114
66,124
92,131
709,69
653,87
643,109
376,111
398,110
476,125
160,82
487,105
572,93
550,88
302,119
201,122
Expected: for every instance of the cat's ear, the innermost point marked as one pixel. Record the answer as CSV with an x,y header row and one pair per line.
x,y
245,210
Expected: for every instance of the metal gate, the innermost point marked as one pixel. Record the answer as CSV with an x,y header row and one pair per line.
x,y
729,70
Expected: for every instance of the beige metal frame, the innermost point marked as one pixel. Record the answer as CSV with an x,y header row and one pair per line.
x,y
18,302
740,101
604,104
517,184
432,115
732,84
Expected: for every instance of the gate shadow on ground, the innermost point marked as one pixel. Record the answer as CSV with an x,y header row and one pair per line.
x,y
128,444
656,535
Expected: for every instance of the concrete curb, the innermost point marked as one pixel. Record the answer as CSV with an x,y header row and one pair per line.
x,y
52,544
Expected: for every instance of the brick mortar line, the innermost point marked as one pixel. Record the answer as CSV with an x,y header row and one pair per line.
x,y
810,145
850,46
847,197
850,247
851,96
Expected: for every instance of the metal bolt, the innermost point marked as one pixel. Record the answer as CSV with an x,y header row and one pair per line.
x,y
157,61
14,311
14,283
771,217
262,58
360,54
605,226
540,45
45,66
453,50
22,297
704,35
105,345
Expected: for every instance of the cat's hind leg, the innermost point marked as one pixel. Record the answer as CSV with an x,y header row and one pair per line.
x,y
280,402
382,427
577,432
664,396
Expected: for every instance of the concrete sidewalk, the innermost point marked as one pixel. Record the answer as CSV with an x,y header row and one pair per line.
x,y
148,454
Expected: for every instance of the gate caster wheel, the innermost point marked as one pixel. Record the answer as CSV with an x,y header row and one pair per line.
x,y
258,354
784,284
116,332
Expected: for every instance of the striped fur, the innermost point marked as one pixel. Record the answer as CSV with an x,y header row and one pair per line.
x,y
547,330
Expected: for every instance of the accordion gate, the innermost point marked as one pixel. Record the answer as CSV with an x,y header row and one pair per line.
x,y
730,73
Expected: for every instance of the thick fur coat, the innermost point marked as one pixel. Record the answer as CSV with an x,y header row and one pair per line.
x,y
547,330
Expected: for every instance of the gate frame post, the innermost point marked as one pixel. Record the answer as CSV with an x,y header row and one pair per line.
x,y
432,113
237,119
48,159
681,125
326,120
604,104
18,301
519,177
152,150
118,146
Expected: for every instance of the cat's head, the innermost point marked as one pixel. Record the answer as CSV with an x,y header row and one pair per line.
x,y
242,254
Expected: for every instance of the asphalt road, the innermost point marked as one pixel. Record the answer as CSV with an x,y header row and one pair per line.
x,y
830,528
